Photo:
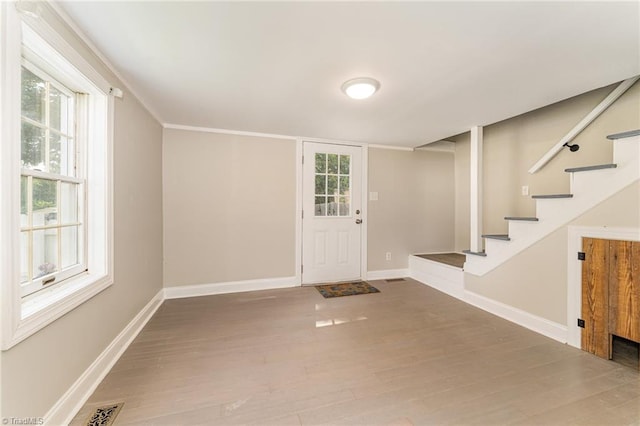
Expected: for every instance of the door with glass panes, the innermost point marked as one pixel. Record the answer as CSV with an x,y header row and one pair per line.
x,y
332,213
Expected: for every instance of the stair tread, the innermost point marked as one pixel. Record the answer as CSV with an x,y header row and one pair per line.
x,y
552,196
588,168
627,134
475,253
530,219
503,237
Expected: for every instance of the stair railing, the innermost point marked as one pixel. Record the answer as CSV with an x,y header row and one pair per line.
x,y
595,113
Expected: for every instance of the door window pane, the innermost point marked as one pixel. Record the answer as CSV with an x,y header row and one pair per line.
x,y
344,164
321,184
344,185
321,206
332,163
321,163
45,252
332,206
344,206
332,185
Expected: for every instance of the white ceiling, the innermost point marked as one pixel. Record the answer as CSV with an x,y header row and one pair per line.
x,y
277,67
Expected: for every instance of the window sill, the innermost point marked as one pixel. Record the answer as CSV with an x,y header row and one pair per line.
x,y
42,309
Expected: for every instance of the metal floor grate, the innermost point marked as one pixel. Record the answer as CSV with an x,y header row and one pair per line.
x,y
106,415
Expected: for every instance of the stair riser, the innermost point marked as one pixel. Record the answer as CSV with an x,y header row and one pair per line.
x,y
582,182
518,228
493,247
547,206
627,151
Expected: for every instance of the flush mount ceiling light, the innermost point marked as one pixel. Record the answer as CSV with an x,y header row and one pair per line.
x,y
360,88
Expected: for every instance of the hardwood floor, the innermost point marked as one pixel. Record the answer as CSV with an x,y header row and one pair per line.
x,y
451,259
409,355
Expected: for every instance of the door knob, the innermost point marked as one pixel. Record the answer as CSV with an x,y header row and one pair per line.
x,y
358,221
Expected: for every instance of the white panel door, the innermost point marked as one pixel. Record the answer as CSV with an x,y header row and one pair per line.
x,y
332,204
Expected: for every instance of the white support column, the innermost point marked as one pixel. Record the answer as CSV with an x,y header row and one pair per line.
x,y
476,189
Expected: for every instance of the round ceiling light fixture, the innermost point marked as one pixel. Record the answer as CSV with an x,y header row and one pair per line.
x,y
360,88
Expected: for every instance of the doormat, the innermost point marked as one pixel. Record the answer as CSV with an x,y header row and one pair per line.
x,y
105,416
346,289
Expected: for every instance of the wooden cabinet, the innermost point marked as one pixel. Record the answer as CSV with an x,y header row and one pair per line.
x,y
610,293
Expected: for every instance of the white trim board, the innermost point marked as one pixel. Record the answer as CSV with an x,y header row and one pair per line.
x,y
391,147
65,409
364,241
299,210
525,319
387,274
517,316
174,126
445,278
178,292
226,131
447,281
574,270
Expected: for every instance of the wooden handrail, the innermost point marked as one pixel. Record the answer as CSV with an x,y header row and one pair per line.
x,y
599,109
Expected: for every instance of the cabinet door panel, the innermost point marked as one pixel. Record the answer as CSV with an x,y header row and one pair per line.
x,y
595,296
624,289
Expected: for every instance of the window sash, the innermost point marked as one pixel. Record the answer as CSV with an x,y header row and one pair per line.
x,y
34,284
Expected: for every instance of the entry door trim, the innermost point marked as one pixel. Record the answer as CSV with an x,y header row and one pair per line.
x,y
364,195
574,270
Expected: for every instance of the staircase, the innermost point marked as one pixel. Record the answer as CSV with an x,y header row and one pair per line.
x,y
589,186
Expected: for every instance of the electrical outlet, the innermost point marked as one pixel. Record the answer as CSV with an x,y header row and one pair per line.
x,y
525,190
388,256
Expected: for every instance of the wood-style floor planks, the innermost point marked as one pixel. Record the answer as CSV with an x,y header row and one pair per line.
x,y
451,259
409,355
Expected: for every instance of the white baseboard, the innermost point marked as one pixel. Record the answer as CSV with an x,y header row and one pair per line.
x,y
445,278
451,281
535,323
387,274
65,409
196,290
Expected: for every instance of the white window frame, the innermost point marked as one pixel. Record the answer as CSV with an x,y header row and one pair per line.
x,y
22,317
79,110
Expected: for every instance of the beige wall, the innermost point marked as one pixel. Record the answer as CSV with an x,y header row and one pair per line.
x,y
37,371
512,146
229,208
415,208
535,280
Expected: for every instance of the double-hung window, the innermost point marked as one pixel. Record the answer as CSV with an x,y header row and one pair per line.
x,y
56,215
52,182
